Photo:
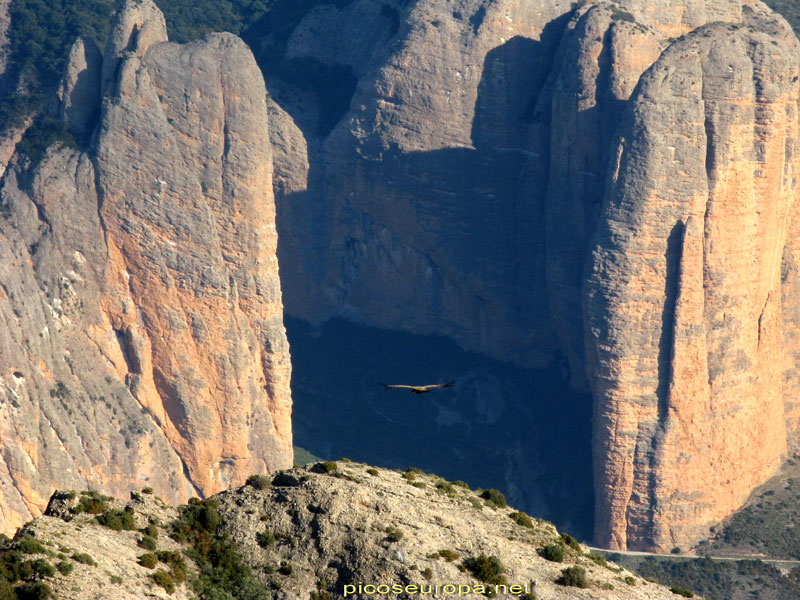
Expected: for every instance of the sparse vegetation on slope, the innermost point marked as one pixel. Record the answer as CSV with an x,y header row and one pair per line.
x,y
718,580
307,534
769,524
222,572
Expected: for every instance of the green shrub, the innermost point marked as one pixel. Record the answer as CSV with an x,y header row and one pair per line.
x,y
259,482
285,569
494,498
117,520
571,542
164,579
23,570
151,531
553,552
65,567
326,467
415,471
630,580
84,559
373,472
265,539
27,544
174,560
448,555
42,568
45,132
520,518
393,534
147,543
445,487
486,568
6,590
283,479
597,559
116,579
475,502
573,577
427,573
90,502
148,561
206,516
34,591
147,490
681,591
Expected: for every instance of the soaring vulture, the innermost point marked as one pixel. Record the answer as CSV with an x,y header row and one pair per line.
x,y
418,389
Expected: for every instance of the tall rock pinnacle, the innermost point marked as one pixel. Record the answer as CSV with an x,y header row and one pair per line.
x,y
683,297
150,265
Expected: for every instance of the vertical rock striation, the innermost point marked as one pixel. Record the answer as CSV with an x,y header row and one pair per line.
x,y
142,340
600,61
683,296
531,179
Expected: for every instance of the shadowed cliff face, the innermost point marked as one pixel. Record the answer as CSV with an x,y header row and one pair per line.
x,y
522,431
142,340
465,192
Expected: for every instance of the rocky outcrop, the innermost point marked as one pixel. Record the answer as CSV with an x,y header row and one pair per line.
x,y
416,168
440,166
459,189
600,61
142,336
79,94
683,298
310,534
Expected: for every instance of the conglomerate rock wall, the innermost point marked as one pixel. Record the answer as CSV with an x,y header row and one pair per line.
x,y
141,332
683,297
609,181
612,182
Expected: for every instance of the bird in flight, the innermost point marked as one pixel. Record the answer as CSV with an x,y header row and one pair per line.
x,y
418,389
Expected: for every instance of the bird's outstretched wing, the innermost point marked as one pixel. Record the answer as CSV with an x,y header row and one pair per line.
x,y
418,389
437,385
402,387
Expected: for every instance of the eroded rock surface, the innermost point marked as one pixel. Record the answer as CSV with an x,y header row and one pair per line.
x,y
310,534
683,300
142,337
459,188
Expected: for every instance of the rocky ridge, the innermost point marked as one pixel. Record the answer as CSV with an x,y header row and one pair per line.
x,y
313,531
140,284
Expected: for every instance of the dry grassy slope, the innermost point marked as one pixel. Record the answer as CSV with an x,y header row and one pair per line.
x,y
331,529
